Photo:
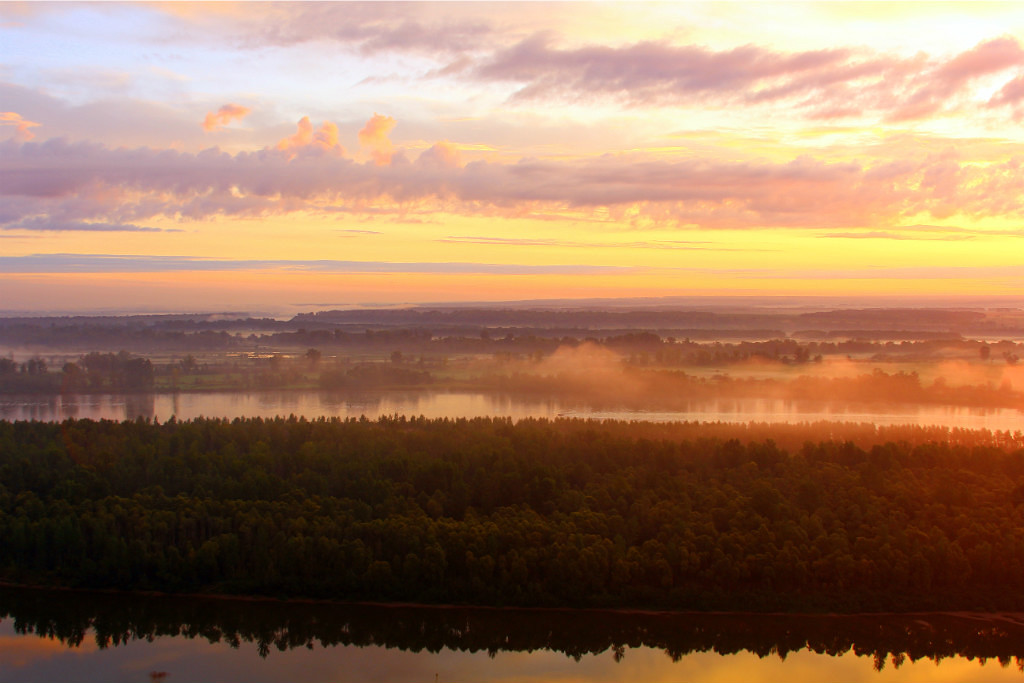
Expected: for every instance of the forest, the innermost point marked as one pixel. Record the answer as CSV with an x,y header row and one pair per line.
x,y
567,513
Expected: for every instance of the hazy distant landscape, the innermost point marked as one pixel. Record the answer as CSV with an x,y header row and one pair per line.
x,y
719,515
634,359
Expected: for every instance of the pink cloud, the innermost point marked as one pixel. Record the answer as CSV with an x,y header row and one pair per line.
x,y
223,116
1011,94
374,136
985,58
22,127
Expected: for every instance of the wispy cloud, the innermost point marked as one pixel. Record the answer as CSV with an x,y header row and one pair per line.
x,y
924,233
885,235
910,273
112,263
821,84
22,127
546,242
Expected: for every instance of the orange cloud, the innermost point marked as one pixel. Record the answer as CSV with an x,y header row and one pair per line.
x,y
216,120
306,139
22,126
374,135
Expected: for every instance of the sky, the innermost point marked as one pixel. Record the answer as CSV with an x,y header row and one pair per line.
x,y
273,157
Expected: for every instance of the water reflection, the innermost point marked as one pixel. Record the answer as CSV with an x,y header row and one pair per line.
x,y
432,404
483,643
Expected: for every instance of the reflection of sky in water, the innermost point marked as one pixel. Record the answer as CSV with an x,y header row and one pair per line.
x,y
313,404
30,658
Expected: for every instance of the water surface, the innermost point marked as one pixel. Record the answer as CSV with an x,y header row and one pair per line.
x,y
436,404
47,636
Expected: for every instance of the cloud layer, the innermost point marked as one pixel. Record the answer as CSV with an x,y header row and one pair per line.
x,y
57,182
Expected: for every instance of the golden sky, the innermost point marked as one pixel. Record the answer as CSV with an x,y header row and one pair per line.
x,y
266,156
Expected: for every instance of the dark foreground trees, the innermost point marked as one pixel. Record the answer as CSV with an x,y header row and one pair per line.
x,y
533,513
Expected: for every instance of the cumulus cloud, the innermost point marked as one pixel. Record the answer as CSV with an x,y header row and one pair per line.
x,y
22,128
307,140
215,120
374,136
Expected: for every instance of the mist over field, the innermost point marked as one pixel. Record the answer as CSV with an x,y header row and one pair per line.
x,y
609,358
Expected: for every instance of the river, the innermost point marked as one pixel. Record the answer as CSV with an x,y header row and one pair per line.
x,y
434,404
86,637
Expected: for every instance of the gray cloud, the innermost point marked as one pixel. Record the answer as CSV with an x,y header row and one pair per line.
x,y
822,84
48,225
368,27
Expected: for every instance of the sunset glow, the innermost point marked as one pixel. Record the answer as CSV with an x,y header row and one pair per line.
x,y
273,157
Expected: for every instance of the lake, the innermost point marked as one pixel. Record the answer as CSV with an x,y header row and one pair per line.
x,y
434,404
47,636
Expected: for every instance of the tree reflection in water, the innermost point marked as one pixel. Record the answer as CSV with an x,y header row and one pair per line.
x,y
113,620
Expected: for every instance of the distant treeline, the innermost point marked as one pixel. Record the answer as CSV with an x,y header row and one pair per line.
x,y
516,331
93,372
921,319
486,511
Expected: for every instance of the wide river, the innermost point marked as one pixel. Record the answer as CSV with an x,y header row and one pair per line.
x,y
434,404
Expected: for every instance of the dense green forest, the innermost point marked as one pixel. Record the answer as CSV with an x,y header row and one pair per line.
x,y
486,511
